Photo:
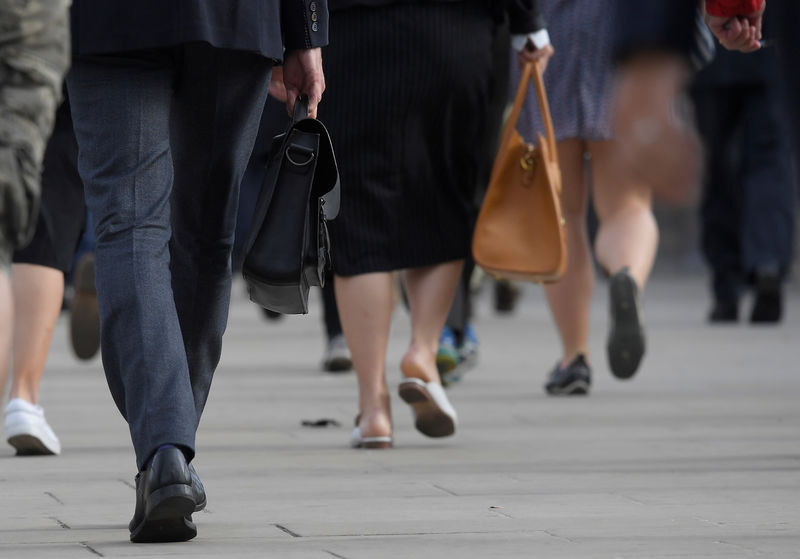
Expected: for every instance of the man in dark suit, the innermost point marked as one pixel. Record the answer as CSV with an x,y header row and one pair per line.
x,y
166,101
748,208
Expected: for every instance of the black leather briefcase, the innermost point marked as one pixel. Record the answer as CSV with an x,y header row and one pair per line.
x,y
288,249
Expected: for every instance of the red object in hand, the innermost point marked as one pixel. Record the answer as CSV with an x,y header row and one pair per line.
x,y
732,8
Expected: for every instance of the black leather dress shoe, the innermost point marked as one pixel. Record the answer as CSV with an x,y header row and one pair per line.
x,y
768,306
724,311
198,491
164,500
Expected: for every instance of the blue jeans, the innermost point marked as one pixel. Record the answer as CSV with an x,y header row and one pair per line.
x,y
164,138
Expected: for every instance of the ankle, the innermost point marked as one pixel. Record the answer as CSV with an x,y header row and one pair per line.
x,y
23,393
420,362
375,422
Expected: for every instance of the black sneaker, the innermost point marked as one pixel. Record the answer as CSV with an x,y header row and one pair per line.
x,y
572,380
626,342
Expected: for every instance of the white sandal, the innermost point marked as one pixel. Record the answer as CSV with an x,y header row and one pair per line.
x,y
357,440
434,415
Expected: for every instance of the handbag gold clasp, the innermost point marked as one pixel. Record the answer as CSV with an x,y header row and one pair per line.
x,y
528,159
528,163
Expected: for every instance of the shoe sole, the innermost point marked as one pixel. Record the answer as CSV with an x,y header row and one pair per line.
x,y
626,342
85,316
577,388
338,365
29,445
374,443
168,518
379,445
430,419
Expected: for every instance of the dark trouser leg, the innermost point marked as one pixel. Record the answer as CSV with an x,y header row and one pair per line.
x,y
274,121
769,202
219,98
718,117
121,107
461,309
787,14
333,327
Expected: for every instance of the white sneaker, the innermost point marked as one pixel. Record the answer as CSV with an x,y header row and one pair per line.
x,y
337,358
27,429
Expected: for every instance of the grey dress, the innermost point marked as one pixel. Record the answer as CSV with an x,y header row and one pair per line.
x,y
579,76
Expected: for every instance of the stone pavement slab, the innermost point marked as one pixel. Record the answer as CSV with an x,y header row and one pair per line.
x,y
697,456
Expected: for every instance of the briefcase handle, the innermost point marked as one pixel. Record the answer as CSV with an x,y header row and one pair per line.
x,y
300,109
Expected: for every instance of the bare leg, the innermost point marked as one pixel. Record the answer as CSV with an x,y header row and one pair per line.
x,y
570,298
38,293
627,238
430,293
365,308
628,233
6,327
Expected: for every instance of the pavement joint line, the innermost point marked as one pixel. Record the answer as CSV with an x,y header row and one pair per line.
x,y
445,490
739,546
334,554
61,523
712,522
433,534
631,499
496,510
52,496
89,548
554,535
288,531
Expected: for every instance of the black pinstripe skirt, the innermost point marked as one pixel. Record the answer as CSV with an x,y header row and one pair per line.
x,y
408,87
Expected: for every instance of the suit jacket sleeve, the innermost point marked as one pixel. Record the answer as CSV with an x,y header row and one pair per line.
x,y
524,16
655,25
304,23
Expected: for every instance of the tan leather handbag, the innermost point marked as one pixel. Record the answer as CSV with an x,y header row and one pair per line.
x,y
520,229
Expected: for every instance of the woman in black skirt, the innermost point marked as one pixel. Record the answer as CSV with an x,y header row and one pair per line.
x,y
408,89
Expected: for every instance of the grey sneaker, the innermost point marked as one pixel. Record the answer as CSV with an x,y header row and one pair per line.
x,y
573,380
337,358
28,431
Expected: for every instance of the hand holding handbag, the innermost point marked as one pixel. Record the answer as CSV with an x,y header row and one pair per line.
x,y
288,249
520,233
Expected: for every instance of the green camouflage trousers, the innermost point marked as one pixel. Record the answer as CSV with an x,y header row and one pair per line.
x,y
34,56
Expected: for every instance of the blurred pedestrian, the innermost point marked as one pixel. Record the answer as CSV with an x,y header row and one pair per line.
x,y
748,210
654,43
166,100
458,341
409,91
38,289
34,55
579,87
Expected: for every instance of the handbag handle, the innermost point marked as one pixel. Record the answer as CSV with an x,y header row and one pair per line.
x,y
300,109
531,70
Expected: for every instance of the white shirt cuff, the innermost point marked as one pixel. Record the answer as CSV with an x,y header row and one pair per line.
x,y
539,39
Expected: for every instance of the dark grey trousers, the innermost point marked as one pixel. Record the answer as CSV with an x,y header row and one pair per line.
x,y
164,137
